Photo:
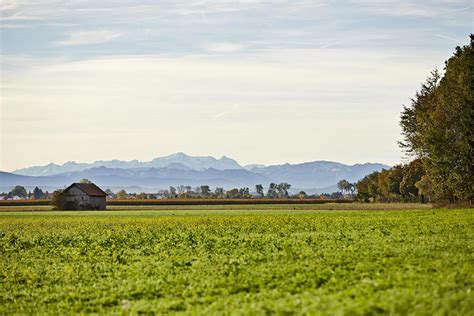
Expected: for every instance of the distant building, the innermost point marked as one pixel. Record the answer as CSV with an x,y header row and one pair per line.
x,y
84,196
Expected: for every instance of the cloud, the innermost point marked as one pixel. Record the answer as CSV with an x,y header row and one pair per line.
x,y
89,38
224,48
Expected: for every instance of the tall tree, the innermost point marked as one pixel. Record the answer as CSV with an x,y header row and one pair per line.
x,y
38,193
272,190
438,127
172,193
259,190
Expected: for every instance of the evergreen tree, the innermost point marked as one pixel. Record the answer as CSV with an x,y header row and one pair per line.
x,y
38,193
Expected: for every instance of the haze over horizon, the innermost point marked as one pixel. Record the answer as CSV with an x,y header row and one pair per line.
x,y
257,81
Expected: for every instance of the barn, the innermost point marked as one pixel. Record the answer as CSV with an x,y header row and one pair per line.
x,y
84,196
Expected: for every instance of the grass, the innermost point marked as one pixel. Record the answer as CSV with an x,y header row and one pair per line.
x,y
238,261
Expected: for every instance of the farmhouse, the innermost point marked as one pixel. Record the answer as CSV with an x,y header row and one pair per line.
x,y
84,196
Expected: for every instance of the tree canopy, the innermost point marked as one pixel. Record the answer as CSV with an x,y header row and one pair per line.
x,y
438,125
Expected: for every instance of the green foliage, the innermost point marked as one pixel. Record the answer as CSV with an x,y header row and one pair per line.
x,y
345,186
424,187
253,262
58,202
397,184
19,191
85,181
438,127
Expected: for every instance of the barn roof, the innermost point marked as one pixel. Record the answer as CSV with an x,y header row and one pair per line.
x,y
88,188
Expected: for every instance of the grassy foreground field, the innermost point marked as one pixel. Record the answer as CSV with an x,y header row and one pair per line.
x,y
238,262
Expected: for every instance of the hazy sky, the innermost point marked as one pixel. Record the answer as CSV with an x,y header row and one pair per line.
x,y
259,81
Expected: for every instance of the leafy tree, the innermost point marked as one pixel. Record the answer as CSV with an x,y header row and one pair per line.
x,y
394,179
412,173
121,195
302,195
282,189
219,192
85,181
142,196
272,190
172,193
244,192
205,190
180,189
38,193
109,192
58,201
345,186
438,127
19,191
259,190
424,187
233,193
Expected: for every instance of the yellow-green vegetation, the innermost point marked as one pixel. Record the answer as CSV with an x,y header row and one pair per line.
x,y
325,207
238,262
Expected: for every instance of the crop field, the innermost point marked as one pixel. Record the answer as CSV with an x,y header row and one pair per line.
x,y
20,207
237,261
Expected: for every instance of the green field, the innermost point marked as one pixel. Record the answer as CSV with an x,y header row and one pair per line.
x,y
282,261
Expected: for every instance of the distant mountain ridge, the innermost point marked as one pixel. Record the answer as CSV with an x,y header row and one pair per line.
x,y
192,162
181,169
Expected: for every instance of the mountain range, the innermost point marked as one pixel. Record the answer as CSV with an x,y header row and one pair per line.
x,y
181,169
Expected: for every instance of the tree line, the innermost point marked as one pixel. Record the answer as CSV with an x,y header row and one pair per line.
x,y
275,190
438,128
401,183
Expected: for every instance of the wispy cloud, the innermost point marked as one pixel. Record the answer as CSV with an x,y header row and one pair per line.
x,y
89,38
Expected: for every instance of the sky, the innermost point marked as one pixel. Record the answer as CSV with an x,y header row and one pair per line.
x,y
259,81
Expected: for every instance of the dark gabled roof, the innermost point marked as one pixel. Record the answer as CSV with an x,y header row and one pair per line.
x,y
88,188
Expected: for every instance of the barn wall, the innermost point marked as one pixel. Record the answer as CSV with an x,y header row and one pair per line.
x,y
97,202
78,200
